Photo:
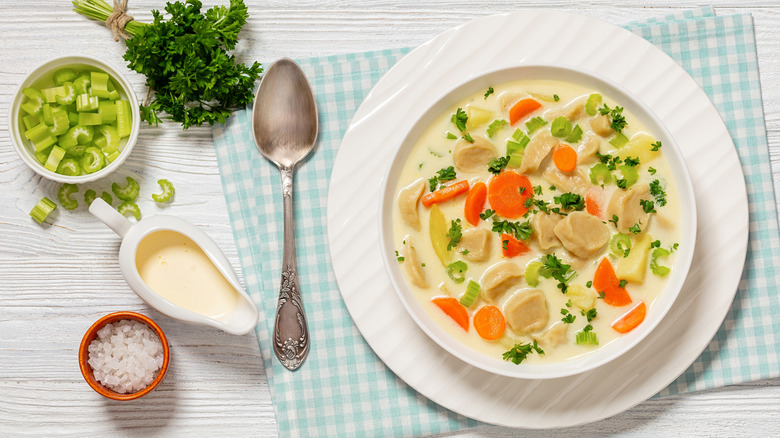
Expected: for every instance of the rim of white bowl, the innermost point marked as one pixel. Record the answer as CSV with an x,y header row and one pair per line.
x,y
23,147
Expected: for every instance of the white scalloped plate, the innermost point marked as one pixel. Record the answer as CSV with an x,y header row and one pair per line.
x,y
499,41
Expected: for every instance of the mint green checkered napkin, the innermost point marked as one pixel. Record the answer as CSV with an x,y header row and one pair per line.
x,y
343,389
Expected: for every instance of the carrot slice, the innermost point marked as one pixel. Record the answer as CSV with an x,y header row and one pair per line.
x,y
565,158
512,247
454,310
475,202
522,109
593,203
624,324
489,323
605,280
507,193
445,193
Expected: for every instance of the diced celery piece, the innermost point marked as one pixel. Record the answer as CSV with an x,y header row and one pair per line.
x,y
600,172
112,156
45,142
619,140
69,166
50,94
89,119
591,106
43,155
99,84
532,273
113,95
63,195
69,94
46,114
78,134
60,122
75,151
108,139
54,158
64,75
472,293
586,338
34,102
124,118
42,210
85,102
73,118
107,111
82,83
37,132
93,160
110,85
30,121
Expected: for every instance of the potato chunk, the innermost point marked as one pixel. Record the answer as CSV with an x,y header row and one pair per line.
x,y
408,198
473,157
582,234
639,146
536,151
625,204
601,125
498,278
633,267
526,311
543,225
475,244
412,265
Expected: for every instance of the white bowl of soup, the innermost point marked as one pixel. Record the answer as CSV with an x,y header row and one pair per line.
x,y
537,221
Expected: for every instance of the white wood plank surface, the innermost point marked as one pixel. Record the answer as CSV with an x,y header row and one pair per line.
x,y
56,280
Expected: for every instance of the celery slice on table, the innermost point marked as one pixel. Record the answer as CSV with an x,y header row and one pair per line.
x,y
69,166
124,118
93,160
167,193
42,210
90,195
128,192
63,194
129,207
64,75
55,156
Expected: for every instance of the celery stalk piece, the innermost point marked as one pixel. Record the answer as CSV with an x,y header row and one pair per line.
x,y
532,273
76,151
42,210
591,106
69,166
108,139
64,75
68,95
90,119
73,118
127,193
167,191
471,295
30,122
46,114
42,156
99,84
600,171
82,83
561,127
63,195
107,111
93,160
112,156
619,140
54,158
124,118
44,143
78,134
129,207
50,94
34,103
37,133
90,196
85,102
586,338
630,175
60,122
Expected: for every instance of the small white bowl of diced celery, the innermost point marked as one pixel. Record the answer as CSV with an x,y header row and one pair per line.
x,y
74,119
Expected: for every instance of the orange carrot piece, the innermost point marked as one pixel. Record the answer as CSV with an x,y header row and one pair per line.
x,y
489,323
565,158
512,247
522,109
454,310
445,193
475,202
507,193
624,324
605,280
593,203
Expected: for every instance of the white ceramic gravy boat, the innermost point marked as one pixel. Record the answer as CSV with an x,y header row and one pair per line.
x,y
238,321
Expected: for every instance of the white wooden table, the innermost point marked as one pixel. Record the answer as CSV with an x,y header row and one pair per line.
x,y
56,280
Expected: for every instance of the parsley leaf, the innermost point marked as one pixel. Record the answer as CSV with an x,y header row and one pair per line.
x,y
459,119
614,219
486,214
647,206
555,268
519,230
451,136
622,284
556,98
568,318
656,146
443,174
496,165
658,192
635,228
651,170
616,114
631,162
591,314
454,233
570,201
520,352
488,92
468,137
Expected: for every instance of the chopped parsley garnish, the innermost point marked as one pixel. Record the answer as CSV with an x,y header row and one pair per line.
x,y
651,170
419,166
496,165
505,245
488,92
443,174
647,206
468,138
555,268
655,244
495,126
556,98
621,183
486,214
635,228
591,314
451,136
459,119
570,201
568,318
589,284
614,219
464,252
435,154
656,146
588,327
400,258
553,188
631,162
520,352
616,114
454,233
538,190
658,192
601,295
623,284
520,230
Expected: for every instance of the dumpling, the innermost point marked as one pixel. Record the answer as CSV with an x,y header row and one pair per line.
x,y
553,336
543,225
412,265
498,278
408,198
526,311
508,98
582,234
473,157
572,111
601,125
575,182
536,151
475,244
586,152
625,204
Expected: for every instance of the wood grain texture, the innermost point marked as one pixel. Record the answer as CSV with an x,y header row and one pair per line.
x,y
58,279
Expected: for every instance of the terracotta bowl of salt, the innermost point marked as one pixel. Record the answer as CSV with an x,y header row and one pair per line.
x,y
124,356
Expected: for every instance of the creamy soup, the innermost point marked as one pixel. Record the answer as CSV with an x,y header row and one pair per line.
x,y
536,221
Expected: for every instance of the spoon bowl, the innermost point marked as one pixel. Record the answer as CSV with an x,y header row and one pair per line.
x,y
284,124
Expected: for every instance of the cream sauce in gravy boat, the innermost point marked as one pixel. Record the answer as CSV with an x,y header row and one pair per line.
x,y
179,270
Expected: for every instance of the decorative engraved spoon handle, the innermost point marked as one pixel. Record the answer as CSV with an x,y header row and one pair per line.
x,y
291,332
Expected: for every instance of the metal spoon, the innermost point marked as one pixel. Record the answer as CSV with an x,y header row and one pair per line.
x,y
284,123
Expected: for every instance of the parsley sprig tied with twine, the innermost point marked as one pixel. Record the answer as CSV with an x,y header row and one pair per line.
x,y
185,57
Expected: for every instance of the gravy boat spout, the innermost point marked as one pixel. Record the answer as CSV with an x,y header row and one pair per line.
x,y
177,269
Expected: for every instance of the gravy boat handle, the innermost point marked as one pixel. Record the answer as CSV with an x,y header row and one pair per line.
x,y
112,218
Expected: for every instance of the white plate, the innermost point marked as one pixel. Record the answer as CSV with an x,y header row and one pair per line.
x,y
499,41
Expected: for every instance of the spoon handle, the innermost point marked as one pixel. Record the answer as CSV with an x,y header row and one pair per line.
x,y
291,332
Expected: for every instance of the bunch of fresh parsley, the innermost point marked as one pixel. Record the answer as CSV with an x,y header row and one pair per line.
x,y
187,63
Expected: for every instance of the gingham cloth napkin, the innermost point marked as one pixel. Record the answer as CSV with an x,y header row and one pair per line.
x,y
343,389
